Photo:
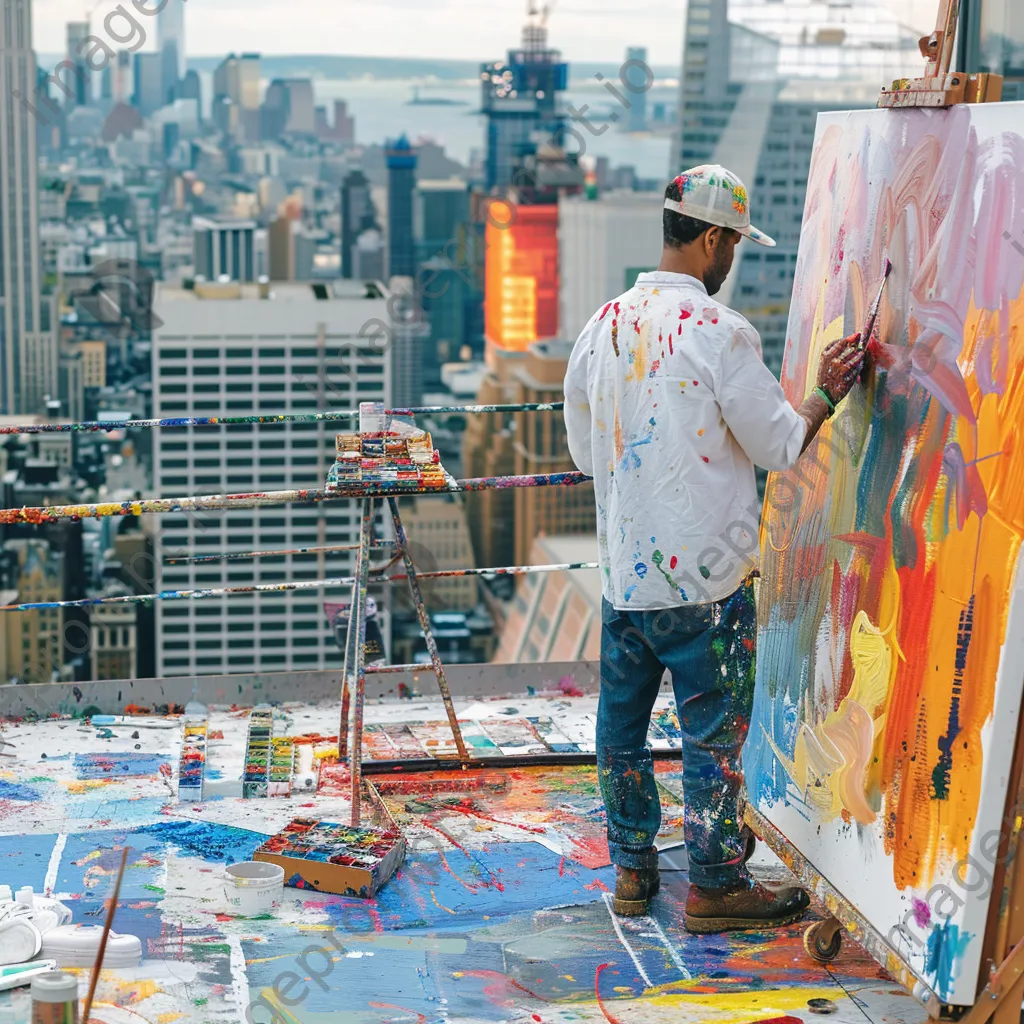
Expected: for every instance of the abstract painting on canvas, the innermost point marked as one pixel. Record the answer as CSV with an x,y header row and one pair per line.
x,y
891,618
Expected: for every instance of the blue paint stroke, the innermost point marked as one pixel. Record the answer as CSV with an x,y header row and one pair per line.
x,y
222,843
131,764
945,949
16,791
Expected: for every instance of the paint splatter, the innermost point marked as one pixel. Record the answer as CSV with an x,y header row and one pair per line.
x,y
921,911
946,947
705,572
640,569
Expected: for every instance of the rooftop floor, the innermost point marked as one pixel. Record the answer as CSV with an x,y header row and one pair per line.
x,y
500,912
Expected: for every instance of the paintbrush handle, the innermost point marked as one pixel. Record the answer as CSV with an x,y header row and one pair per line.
x,y
103,938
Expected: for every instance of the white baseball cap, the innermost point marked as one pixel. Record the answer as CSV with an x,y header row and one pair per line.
x,y
713,194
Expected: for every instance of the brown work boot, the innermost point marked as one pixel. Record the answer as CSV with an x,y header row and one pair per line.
x,y
634,889
746,905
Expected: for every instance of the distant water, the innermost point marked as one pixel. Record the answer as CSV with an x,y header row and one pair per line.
x,y
381,110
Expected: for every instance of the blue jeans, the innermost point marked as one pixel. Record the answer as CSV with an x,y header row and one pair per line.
x,y
709,650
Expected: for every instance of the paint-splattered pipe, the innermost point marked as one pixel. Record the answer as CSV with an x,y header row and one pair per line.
x,y
273,588
292,417
267,499
195,559
428,633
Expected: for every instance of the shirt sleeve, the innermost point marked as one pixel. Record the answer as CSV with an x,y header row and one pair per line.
x,y
754,406
577,407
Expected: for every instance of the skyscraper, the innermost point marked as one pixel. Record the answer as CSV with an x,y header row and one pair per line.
x,y
520,101
786,60
521,277
170,44
148,81
236,95
401,161
80,83
240,349
28,358
638,78
357,216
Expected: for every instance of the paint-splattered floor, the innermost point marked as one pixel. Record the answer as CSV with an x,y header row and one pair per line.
x,y
500,913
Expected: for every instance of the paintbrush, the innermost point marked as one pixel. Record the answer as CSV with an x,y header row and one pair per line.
x,y
103,938
875,306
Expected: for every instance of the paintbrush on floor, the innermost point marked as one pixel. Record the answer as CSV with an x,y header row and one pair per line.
x,y
103,938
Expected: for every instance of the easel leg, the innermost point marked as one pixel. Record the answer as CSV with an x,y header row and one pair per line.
x,y
346,692
357,675
421,612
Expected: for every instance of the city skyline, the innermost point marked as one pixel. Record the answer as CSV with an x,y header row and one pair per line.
x,y
438,29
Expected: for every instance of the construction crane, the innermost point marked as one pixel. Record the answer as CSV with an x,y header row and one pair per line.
x,y
536,11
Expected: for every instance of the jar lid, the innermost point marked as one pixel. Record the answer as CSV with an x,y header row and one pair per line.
x,y
55,987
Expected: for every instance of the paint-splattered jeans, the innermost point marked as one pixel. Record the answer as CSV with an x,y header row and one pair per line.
x,y
709,650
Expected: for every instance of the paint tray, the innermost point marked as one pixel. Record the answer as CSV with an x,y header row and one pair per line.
x,y
330,857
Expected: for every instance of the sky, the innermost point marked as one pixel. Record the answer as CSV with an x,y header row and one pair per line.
x,y
472,30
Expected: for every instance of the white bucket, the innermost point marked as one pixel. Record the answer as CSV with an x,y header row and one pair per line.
x,y
253,887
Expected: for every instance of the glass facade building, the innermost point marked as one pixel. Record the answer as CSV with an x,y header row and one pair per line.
x,y
786,60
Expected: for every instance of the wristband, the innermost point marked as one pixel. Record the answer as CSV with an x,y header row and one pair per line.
x,y
827,399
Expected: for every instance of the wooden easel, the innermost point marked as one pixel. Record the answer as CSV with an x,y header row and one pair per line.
x,y
940,87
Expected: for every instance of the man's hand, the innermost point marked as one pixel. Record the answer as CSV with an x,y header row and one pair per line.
x,y
840,366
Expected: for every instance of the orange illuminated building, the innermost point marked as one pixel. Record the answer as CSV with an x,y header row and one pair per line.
x,y
521,280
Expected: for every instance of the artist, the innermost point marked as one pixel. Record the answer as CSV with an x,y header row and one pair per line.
x,y
669,407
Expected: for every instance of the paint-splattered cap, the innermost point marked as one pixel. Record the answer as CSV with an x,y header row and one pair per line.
x,y
713,194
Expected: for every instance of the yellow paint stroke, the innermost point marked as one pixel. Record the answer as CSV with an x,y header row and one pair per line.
x,y
79,788
730,1007
831,761
640,353
441,906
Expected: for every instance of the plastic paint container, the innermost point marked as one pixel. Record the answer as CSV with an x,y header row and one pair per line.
x,y
55,998
253,887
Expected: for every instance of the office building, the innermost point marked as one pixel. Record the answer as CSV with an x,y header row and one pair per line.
x,y
441,208
113,638
35,649
368,256
995,34
224,247
77,76
223,349
635,71
236,96
603,245
170,44
288,108
401,163
520,99
28,356
357,216
148,83
488,449
122,73
521,276
786,62
541,447
439,539
555,616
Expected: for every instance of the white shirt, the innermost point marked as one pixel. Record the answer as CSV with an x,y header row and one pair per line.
x,y
668,405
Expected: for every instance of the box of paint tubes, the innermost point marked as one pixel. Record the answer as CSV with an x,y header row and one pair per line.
x,y
340,859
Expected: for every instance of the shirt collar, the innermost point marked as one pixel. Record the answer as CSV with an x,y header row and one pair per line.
x,y
666,279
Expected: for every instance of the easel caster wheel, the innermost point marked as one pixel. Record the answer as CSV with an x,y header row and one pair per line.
x,y
823,940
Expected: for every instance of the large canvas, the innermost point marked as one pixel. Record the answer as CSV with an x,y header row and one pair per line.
x,y
891,633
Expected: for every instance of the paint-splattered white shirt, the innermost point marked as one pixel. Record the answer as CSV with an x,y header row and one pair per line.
x,y
668,406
